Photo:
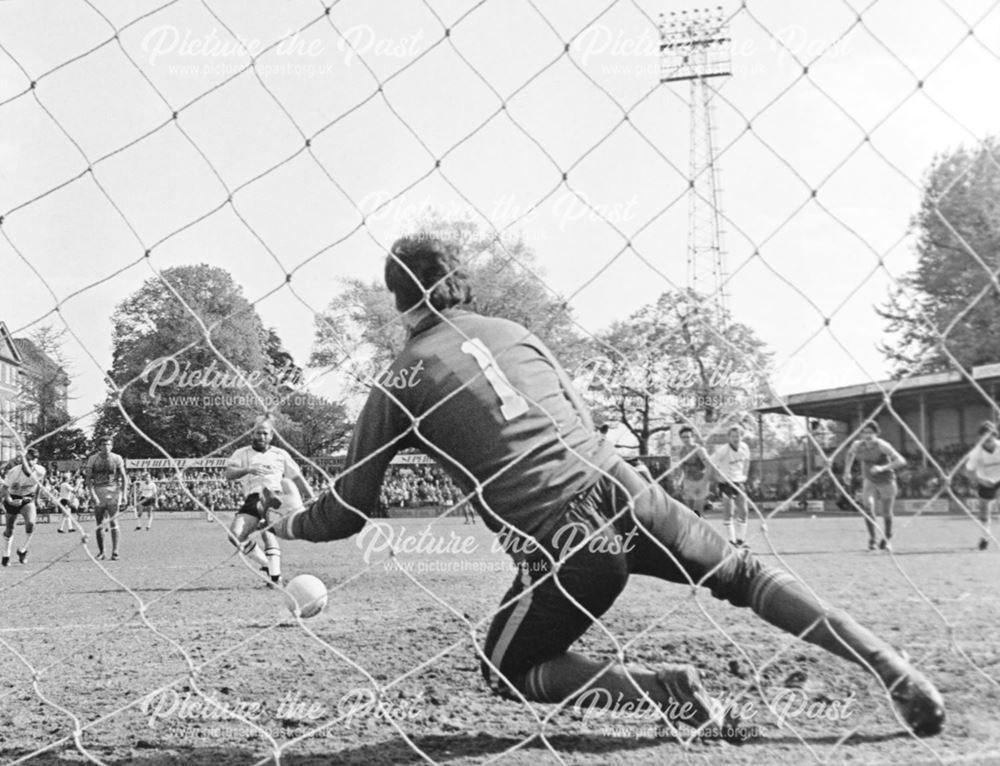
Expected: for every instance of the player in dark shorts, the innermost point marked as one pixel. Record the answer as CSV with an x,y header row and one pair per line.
x,y
983,465
22,484
487,399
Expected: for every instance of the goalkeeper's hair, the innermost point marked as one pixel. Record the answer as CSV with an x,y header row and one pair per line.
x,y
424,269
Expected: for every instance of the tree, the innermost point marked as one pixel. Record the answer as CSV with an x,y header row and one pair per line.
x,y
674,361
957,235
190,357
362,324
312,425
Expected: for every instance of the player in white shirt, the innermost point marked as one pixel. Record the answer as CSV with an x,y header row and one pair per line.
x,y
983,465
22,484
146,500
257,467
731,463
68,503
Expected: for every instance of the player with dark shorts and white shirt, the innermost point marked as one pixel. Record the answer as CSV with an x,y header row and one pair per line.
x,y
983,465
256,467
22,484
731,463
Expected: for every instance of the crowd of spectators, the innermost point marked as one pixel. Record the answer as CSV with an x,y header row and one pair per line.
x,y
406,486
419,485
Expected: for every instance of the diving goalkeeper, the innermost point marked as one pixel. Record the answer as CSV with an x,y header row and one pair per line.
x,y
487,399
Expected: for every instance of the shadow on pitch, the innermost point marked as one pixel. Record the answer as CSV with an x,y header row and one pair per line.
x,y
443,748
197,589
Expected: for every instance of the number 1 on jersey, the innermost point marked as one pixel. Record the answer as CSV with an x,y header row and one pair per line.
x,y
512,404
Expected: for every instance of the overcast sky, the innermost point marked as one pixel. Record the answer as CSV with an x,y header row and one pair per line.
x,y
506,122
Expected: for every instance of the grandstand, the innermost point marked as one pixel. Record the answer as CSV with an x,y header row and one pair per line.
x,y
931,419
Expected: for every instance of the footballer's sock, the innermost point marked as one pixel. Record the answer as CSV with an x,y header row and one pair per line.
x,y
730,531
741,530
114,541
100,540
8,543
273,556
784,602
27,540
254,552
870,526
888,525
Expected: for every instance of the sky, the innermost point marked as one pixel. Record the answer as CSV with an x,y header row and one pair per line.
x,y
849,99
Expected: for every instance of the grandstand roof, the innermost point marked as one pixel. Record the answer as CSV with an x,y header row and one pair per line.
x,y
937,389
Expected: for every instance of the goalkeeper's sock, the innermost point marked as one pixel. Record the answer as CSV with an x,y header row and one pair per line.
x,y
784,602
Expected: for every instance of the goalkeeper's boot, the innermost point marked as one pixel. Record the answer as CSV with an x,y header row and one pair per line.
x,y
916,699
690,703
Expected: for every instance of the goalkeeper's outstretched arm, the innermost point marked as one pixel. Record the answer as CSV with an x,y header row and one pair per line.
x,y
344,510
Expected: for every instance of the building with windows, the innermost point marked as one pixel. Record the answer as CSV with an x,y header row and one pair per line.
x,y
11,365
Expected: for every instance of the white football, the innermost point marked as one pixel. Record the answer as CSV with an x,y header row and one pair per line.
x,y
308,595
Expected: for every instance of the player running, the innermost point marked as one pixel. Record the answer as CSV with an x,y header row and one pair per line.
x,y
68,502
22,483
105,478
879,462
490,402
146,500
983,465
731,463
259,466
694,469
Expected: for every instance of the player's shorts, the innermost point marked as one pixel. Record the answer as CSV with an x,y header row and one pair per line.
x,y
14,505
599,541
879,491
251,506
987,491
108,498
696,488
147,502
731,489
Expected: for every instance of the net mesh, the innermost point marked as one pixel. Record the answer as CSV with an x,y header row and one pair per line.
x,y
304,139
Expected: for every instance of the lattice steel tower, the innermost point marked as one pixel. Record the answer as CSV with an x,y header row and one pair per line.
x,y
695,47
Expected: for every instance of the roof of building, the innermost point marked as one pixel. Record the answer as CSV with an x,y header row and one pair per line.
x,y
953,388
36,362
8,349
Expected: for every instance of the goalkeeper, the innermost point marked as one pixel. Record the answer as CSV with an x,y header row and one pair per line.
x,y
488,400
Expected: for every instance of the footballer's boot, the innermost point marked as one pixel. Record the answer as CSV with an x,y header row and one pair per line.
x,y
691,704
22,556
916,699
5,561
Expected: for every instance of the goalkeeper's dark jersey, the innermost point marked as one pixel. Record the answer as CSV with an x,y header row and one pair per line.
x,y
488,400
